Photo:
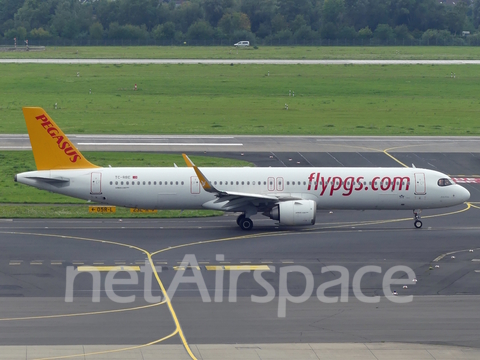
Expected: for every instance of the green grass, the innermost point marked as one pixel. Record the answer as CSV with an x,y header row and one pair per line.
x,y
81,211
13,162
263,52
242,99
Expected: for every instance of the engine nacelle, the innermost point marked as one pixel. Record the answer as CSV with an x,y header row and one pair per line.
x,y
295,212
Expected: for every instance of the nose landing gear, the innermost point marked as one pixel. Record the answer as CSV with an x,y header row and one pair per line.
x,y
417,223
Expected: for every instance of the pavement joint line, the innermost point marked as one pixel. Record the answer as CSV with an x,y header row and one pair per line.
x,y
178,328
477,271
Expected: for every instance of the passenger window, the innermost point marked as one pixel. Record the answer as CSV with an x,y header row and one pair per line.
x,y
243,182
144,183
127,182
149,183
171,182
116,182
111,182
176,182
182,182
121,183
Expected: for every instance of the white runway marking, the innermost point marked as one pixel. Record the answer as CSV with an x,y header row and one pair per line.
x,y
159,144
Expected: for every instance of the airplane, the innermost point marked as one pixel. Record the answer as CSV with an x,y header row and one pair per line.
x,y
290,196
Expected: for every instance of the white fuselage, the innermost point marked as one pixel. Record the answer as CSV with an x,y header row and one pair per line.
x,y
179,188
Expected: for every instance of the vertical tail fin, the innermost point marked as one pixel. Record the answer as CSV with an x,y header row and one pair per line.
x,y
51,147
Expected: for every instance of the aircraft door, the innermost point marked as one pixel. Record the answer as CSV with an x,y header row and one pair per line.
x,y
194,185
271,184
96,183
420,186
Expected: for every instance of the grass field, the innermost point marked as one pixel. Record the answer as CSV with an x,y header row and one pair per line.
x,y
263,52
14,196
246,99
41,211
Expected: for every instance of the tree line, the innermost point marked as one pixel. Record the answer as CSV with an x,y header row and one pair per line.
x,y
233,20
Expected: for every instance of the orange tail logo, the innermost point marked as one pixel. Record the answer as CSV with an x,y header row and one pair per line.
x,y
51,147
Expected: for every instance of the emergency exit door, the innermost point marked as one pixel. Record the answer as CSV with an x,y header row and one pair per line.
x,y
96,183
420,186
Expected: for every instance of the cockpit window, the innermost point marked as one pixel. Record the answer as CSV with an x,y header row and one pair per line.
x,y
444,182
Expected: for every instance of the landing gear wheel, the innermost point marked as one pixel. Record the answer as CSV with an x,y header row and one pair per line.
x,y
418,224
240,218
246,224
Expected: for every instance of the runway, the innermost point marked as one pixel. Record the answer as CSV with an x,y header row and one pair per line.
x,y
441,322
260,143
239,61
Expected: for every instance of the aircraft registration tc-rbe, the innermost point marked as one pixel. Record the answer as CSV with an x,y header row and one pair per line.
x,y
290,196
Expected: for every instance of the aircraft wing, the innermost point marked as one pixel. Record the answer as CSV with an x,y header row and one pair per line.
x,y
232,200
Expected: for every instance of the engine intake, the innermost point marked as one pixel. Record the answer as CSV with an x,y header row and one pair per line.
x,y
295,212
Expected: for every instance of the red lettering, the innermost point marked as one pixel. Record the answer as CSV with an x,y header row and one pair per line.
x,y
317,181
374,184
59,139
401,180
47,124
360,183
69,151
310,178
348,185
324,185
51,130
75,157
63,145
385,184
335,185
41,117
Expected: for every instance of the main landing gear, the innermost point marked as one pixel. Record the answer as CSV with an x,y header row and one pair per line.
x,y
244,222
416,214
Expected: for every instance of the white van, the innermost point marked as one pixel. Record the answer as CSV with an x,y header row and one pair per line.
x,y
242,44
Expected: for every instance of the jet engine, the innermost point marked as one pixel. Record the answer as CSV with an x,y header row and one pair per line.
x,y
294,212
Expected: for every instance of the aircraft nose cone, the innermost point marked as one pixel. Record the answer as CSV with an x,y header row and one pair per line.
x,y
464,194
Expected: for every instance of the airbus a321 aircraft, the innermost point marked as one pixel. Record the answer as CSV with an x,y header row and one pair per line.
x,y
289,195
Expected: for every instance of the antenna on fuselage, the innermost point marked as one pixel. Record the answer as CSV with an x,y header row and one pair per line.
x,y
413,165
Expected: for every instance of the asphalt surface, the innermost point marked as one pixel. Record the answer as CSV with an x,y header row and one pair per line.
x,y
36,255
261,143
